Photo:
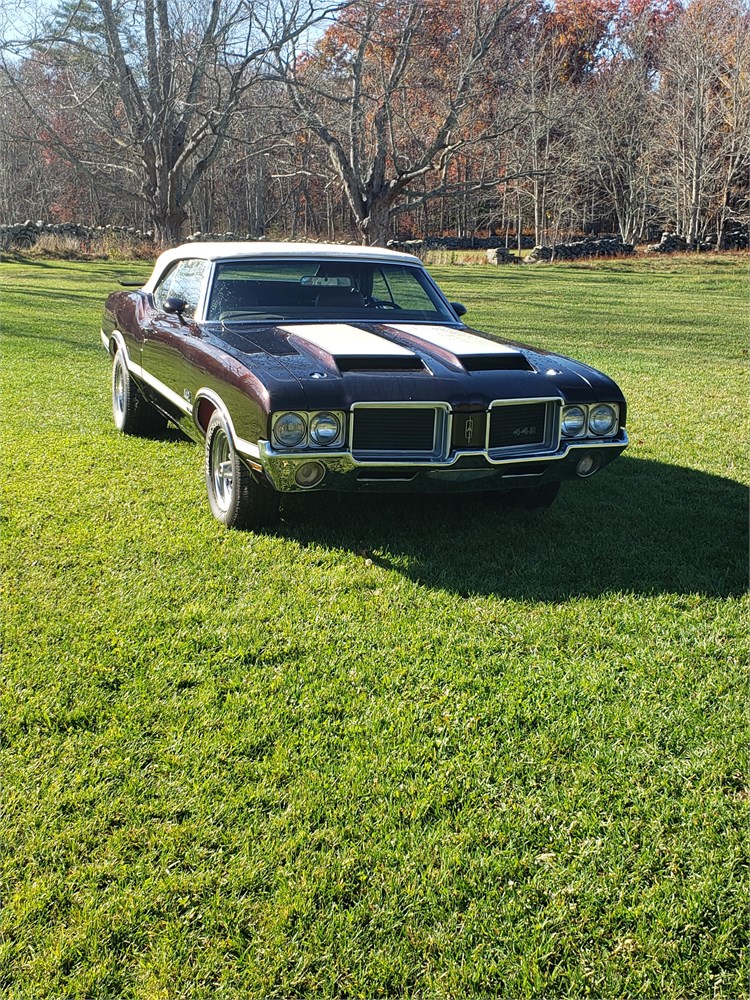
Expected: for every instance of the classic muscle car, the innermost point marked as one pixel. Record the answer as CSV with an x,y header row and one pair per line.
x,y
314,367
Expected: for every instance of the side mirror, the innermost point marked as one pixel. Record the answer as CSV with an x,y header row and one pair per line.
x,y
458,308
175,306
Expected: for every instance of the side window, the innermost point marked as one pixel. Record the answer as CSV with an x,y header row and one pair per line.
x,y
380,289
407,291
186,282
161,292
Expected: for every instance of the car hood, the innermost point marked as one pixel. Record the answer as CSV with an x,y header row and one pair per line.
x,y
341,363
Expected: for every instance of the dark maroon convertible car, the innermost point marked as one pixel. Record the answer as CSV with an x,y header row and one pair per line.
x,y
311,367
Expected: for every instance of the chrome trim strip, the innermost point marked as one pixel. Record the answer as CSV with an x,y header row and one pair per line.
x,y
522,475
269,454
387,479
524,400
246,448
180,402
119,341
140,372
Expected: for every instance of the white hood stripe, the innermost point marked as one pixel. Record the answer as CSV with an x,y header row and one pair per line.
x,y
342,340
458,342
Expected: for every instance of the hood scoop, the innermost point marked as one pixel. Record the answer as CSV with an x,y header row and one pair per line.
x,y
375,363
474,353
496,362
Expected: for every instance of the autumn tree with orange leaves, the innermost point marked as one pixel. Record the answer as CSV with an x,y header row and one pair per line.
x,y
379,118
396,88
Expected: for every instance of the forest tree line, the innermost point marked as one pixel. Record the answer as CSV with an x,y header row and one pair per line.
x,y
373,119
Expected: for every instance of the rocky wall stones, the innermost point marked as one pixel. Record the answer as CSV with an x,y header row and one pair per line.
x,y
578,249
460,243
22,235
500,255
736,237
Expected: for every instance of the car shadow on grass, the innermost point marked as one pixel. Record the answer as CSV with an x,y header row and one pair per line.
x,y
639,526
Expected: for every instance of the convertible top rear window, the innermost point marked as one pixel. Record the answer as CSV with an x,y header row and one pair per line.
x,y
282,290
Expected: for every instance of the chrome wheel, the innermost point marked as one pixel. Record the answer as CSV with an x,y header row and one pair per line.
x,y
222,469
119,392
131,412
236,498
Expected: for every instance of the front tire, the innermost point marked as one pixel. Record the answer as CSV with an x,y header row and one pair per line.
x,y
236,499
131,412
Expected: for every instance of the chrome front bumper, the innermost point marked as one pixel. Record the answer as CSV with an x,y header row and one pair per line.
x,y
462,471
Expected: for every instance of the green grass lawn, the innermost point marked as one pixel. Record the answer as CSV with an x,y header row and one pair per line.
x,y
425,748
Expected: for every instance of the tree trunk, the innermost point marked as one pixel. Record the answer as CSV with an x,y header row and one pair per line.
x,y
168,225
374,228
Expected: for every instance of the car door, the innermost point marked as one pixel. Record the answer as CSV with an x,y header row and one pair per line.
x,y
171,340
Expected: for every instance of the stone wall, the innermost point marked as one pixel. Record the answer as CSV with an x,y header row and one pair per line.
x,y
502,256
579,249
736,237
22,235
460,243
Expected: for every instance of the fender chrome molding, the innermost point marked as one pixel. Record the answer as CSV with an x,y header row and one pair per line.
x,y
243,447
119,342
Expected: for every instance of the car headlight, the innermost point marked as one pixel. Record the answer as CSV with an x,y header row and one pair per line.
x,y
602,419
573,421
325,429
289,430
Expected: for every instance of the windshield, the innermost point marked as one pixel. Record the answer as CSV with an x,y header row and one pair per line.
x,y
312,290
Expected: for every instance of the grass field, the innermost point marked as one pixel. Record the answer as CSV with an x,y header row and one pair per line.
x,y
423,749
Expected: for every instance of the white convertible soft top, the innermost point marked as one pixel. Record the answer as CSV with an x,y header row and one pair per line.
x,y
236,251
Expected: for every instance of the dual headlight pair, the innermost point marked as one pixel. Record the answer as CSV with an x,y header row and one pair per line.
x,y
319,429
599,420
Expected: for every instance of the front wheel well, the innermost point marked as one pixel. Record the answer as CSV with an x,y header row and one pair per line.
x,y
204,410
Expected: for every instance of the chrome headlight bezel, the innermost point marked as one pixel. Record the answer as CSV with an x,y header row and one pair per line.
x,y
289,443
306,422
336,422
613,423
567,412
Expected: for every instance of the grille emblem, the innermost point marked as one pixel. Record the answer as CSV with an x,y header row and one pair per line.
x,y
469,430
524,431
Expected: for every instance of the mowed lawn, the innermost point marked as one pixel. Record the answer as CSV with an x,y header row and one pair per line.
x,y
431,748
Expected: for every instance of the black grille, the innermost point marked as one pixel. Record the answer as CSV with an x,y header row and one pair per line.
x,y
386,429
517,425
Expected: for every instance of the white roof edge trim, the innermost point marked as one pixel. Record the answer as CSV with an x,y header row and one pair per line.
x,y
237,250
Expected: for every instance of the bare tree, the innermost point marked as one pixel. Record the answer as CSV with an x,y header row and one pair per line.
x,y
542,142
705,113
391,96
146,90
618,145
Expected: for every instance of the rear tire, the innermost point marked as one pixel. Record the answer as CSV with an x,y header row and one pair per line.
x,y
532,497
236,499
131,412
